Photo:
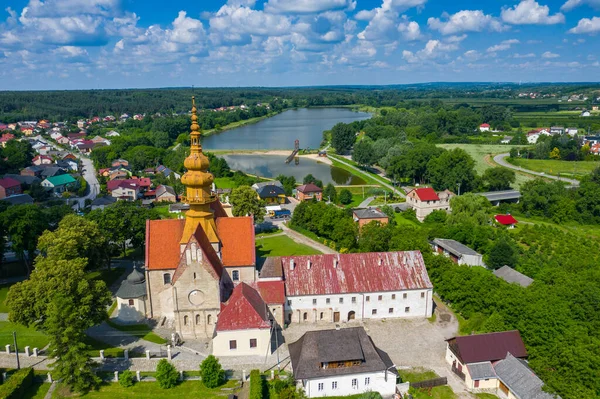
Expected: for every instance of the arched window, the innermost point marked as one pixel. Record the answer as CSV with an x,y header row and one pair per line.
x,y
305,316
185,320
197,319
166,278
321,316
209,319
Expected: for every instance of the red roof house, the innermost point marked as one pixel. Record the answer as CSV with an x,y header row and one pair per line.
x,y
9,186
489,347
309,191
6,137
245,310
506,220
41,160
426,194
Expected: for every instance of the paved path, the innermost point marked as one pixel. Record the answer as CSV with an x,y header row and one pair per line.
x,y
500,159
379,179
302,239
51,390
366,202
89,174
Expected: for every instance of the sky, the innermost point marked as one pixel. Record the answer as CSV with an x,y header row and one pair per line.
x,y
101,44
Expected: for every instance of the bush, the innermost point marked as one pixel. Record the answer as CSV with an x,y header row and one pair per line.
x,y
126,380
345,197
18,383
370,395
257,385
166,374
211,372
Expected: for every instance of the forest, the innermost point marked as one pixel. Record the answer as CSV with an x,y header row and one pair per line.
x,y
69,105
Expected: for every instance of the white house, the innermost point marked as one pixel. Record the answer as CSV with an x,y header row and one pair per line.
x,y
425,200
585,113
572,131
131,297
484,127
243,326
112,133
341,362
345,287
458,252
534,135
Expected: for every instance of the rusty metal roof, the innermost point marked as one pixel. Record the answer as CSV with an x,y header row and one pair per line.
x,y
347,273
487,347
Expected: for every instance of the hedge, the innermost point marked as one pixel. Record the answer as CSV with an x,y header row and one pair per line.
x,y
257,385
17,385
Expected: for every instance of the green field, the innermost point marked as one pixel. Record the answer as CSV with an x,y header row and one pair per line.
x,y
576,169
479,152
282,246
25,336
151,390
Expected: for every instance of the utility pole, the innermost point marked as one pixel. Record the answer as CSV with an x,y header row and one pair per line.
x,y
16,349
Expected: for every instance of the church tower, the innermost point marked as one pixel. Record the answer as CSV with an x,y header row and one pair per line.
x,y
198,182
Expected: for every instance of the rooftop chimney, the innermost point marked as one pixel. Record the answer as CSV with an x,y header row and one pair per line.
x,y
380,261
292,264
308,264
335,263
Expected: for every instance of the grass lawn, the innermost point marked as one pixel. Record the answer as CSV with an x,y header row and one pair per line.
x,y
151,390
282,246
225,182
163,211
576,169
142,331
357,194
96,346
417,374
38,390
402,221
108,276
486,396
442,392
25,336
3,293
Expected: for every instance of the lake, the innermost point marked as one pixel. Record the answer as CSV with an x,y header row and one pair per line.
x,y
273,165
280,131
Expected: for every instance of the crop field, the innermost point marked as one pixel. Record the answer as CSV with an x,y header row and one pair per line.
x,y
554,167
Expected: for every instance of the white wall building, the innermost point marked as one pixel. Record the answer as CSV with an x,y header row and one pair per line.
x,y
425,200
457,251
341,362
344,287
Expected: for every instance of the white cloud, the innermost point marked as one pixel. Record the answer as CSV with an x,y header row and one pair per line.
x,y
186,30
384,21
528,55
464,21
472,55
307,6
504,45
549,54
587,25
530,12
432,50
409,30
70,51
571,4
455,38
62,8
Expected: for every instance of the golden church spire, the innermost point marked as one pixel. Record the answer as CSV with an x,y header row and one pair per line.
x,y
198,182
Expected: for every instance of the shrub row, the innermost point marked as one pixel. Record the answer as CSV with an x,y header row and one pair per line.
x,y
17,385
256,385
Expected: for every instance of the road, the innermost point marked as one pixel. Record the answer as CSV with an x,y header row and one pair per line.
x,y
379,179
500,159
89,174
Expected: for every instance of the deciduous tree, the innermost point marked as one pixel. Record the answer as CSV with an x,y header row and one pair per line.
x,y
499,178
211,372
245,202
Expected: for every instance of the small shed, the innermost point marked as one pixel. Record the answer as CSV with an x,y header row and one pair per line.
x,y
131,297
458,252
510,275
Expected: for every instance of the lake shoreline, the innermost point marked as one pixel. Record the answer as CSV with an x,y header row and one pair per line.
x,y
285,153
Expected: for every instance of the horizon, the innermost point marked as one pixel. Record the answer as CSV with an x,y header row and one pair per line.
x,y
115,44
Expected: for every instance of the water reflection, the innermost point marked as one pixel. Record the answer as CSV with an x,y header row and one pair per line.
x,y
273,165
280,131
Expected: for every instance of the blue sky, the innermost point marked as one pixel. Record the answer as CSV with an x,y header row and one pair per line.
x,y
81,44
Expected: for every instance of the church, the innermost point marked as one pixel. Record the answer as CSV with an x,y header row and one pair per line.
x,y
202,281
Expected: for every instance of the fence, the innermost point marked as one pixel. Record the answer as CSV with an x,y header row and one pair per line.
x,y
430,383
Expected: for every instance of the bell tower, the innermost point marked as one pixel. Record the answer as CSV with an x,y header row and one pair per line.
x,y
198,183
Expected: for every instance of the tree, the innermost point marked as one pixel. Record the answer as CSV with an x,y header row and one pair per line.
x,y
124,222
211,372
345,197
342,137
503,252
412,164
166,374
309,178
245,202
514,152
24,225
555,153
498,178
363,153
344,234
469,208
330,194
374,237
76,237
127,379
452,169
288,183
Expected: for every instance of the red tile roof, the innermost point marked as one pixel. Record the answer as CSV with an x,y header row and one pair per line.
x,y
272,292
309,188
487,347
427,194
139,183
245,310
363,272
9,182
506,220
162,243
237,239
484,125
